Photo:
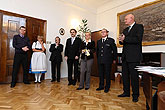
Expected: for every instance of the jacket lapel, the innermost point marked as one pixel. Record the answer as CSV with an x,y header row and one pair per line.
x,y
131,29
70,41
74,41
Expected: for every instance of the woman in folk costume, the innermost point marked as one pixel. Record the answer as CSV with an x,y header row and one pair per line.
x,y
38,60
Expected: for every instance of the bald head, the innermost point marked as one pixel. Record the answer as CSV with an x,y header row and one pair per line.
x,y
129,19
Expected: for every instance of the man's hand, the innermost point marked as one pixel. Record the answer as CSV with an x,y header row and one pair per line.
x,y
76,57
25,48
83,51
66,58
114,61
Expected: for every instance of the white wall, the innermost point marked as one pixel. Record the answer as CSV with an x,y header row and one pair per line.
x,y
107,17
57,13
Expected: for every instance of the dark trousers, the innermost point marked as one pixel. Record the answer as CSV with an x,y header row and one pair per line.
x,y
129,71
70,63
105,69
18,60
55,65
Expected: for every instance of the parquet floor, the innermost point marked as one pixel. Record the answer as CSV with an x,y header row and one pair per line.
x,y
60,96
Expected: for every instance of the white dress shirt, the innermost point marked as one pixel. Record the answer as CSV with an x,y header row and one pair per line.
x,y
130,27
104,39
87,42
72,39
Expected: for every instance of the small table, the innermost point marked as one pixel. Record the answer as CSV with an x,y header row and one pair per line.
x,y
148,73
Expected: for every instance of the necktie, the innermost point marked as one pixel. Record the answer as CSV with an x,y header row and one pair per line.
x,y
129,28
103,41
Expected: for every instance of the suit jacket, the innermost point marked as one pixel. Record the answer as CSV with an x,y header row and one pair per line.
x,y
90,46
72,50
107,51
132,44
56,53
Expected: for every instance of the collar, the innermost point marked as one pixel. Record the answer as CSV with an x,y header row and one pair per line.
x,y
73,38
38,42
88,40
21,35
104,38
132,25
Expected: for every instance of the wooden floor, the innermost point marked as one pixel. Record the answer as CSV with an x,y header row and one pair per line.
x,y
60,96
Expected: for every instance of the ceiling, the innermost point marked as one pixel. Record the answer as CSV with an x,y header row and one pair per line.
x,y
92,4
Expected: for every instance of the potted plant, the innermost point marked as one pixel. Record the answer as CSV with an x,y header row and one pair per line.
x,y
83,28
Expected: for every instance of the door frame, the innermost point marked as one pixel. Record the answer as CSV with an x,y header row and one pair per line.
x,y
1,21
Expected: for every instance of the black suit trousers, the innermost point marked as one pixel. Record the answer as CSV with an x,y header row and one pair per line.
x,y
56,66
70,63
18,60
129,72
104,69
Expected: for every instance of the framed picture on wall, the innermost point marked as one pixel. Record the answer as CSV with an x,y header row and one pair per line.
x,y
152,16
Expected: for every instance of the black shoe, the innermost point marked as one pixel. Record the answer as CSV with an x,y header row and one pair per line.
x,y
35,82
53,80
39,82
27,83
135,100
12,85
58,80
99,89
69,84
79,88
123,95
106,90
86,88
74,83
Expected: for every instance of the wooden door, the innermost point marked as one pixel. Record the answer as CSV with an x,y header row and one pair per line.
x,y
35,27
10,27
96,36
0,42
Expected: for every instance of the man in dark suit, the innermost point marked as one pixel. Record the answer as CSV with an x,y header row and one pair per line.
x,y
56,59
106,55
131,39
21,43
72,56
